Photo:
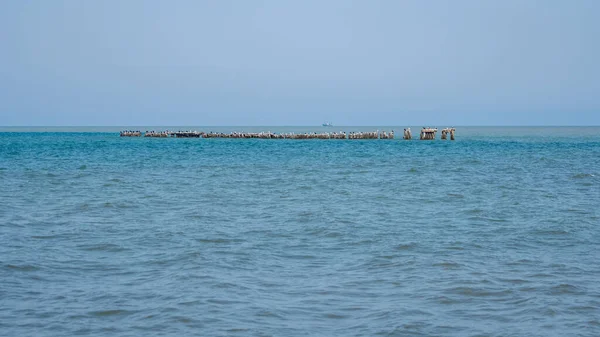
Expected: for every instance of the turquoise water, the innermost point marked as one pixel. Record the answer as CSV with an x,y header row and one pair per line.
x,y
495,234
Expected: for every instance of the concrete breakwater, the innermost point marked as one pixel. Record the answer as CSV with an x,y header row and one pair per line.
x,y
426,133
308,135
130,133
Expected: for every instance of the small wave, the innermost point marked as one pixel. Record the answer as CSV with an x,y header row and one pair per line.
x,y
45,237
447,265
456,195
298,256
523,261
335,316
456,246
406,246
115,312
353,308
565,289
550,231
487,219
26,267
514,281
102,247
266,313
227,285
540,275
577,211
126,205
478,292
219,240
366,242
223,302
236,330
446,300
190,303
493,219
333,235
584,308
305,217
183,319
583,175
344,172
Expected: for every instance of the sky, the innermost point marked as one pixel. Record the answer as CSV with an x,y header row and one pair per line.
x,y
304,62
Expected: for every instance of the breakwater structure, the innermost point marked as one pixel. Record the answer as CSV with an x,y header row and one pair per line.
x,y
426,134
130,133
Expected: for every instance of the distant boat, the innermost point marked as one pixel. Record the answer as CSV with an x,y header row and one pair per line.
x,y
328,124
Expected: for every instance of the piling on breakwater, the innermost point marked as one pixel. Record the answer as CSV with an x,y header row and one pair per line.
x,y
363,135
426,134
447,131
386,135
186,134
159,134
129,133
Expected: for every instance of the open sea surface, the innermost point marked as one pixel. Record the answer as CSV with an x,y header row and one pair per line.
x,y
494,234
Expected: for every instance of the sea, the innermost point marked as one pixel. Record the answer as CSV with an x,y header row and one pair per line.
x,y
494,234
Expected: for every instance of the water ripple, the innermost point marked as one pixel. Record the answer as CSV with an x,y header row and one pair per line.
x,y
106,236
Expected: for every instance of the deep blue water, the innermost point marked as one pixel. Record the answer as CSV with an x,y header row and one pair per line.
x,y
494,234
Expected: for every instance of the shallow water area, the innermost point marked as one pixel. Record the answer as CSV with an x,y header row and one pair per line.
x,y
494,234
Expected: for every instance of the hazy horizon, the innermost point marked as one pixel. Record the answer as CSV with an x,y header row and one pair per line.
x,y
270,63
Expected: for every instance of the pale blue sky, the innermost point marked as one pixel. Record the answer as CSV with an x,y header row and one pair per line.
x,y
144,62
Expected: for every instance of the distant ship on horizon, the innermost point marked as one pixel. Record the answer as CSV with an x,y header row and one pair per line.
x,y
327,124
